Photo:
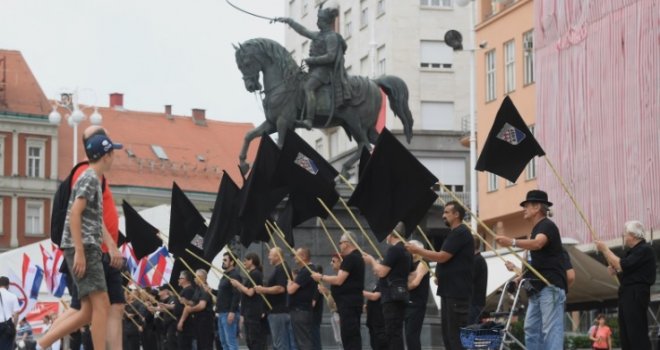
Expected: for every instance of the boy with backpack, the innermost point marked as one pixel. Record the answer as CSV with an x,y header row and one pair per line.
x,y
81,243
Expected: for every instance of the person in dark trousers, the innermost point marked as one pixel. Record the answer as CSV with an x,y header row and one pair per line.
x,y
480,278
200,312
278,318
185,326
375,323
167,302
226,306
637,271
454,274
346,288
544,318
317,314
132,323
393,274
301,293
252,306
418,284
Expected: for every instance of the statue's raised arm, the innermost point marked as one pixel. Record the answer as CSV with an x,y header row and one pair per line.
x,y
299,28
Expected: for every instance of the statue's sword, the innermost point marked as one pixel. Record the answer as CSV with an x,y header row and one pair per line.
x,y
249,13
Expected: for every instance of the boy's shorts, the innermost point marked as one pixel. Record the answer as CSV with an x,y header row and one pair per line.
x,y
113,282
94,278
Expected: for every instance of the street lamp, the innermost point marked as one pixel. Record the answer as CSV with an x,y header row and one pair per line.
x,y
454,39
74,117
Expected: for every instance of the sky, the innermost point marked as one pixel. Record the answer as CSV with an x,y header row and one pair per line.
x,y
155,52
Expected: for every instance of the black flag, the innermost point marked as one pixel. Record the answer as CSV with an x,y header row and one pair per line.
x,y
187,227
224,219
307,176
510,144
394,187
142,235
259,196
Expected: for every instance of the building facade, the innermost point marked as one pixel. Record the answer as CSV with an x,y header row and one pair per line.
x,y
504,66
402,38
28,155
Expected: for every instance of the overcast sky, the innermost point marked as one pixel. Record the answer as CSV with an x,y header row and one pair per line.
x,y
156,52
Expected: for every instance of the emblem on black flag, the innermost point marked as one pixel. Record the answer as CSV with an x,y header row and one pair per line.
x,y
198,242
306,163
511,134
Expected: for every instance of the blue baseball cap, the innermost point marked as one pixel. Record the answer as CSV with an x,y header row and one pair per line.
x,y
99,145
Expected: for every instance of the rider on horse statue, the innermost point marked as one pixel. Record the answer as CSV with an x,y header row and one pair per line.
x,y
325,62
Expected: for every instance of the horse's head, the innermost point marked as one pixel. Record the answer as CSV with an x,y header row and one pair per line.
x,y
249,65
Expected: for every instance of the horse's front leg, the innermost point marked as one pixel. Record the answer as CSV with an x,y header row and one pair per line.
x,y
265,127
284,124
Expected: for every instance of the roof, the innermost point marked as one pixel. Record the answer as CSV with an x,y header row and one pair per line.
x,y
19,90
196,154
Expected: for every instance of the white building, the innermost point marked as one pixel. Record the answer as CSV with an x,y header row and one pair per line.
x,y
402,38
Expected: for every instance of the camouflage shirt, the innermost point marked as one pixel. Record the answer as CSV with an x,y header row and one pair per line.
x,y
88,186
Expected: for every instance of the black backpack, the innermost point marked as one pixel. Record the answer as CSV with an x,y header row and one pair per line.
x,y
61,204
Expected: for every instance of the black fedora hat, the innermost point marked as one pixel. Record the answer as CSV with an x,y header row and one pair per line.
x,y
536,196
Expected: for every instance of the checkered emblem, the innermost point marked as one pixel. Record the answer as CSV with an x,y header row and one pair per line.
x,y
198,242
304,162
511,134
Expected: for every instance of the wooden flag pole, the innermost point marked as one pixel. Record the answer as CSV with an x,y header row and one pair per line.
x,y
153,300
340,225
404,241
364,233
136,286
426,238
276,227
133,307
325,229
488,229
247,273
132,320
570,195
279,253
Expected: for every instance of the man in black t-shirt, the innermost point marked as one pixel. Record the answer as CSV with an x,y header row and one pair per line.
x,y
226,306
346,288
278,318
544,319
301,293
252,305
454,274
200,312
393,282
637,272
185,327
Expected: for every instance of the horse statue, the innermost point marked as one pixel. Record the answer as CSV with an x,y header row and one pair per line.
x,y
283,99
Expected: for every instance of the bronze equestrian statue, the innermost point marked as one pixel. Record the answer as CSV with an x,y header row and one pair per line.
x,y
325,96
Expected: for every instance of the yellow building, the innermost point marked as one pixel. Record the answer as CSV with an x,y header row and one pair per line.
x,y
504,66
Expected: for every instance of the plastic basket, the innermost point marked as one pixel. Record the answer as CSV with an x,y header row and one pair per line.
x,y
481,338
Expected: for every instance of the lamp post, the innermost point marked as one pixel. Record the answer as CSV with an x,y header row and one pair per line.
x,y
74,116
454,39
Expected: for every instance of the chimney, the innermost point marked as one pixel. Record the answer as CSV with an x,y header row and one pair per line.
x,y
199,116
116,100
168,110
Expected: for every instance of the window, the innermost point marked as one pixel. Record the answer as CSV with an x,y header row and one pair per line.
x,y
437,115
490,76
435,54
292,8
304,7
436,3
492,182
528,58
364,14
160,152
319,146
34,218
509,66
35,158
348,24
531,166
2,159
364,65
304,48
1,215
380,8
334,143
349,70
381,60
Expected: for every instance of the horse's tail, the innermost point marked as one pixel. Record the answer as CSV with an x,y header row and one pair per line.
x,y
397,92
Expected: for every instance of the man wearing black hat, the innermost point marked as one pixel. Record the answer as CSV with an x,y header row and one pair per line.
x,y
544,321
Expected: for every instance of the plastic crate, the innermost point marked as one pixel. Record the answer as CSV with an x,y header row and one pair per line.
x,y
490,339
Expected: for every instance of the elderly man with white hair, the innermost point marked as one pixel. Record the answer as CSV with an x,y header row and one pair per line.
x,y
636,272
